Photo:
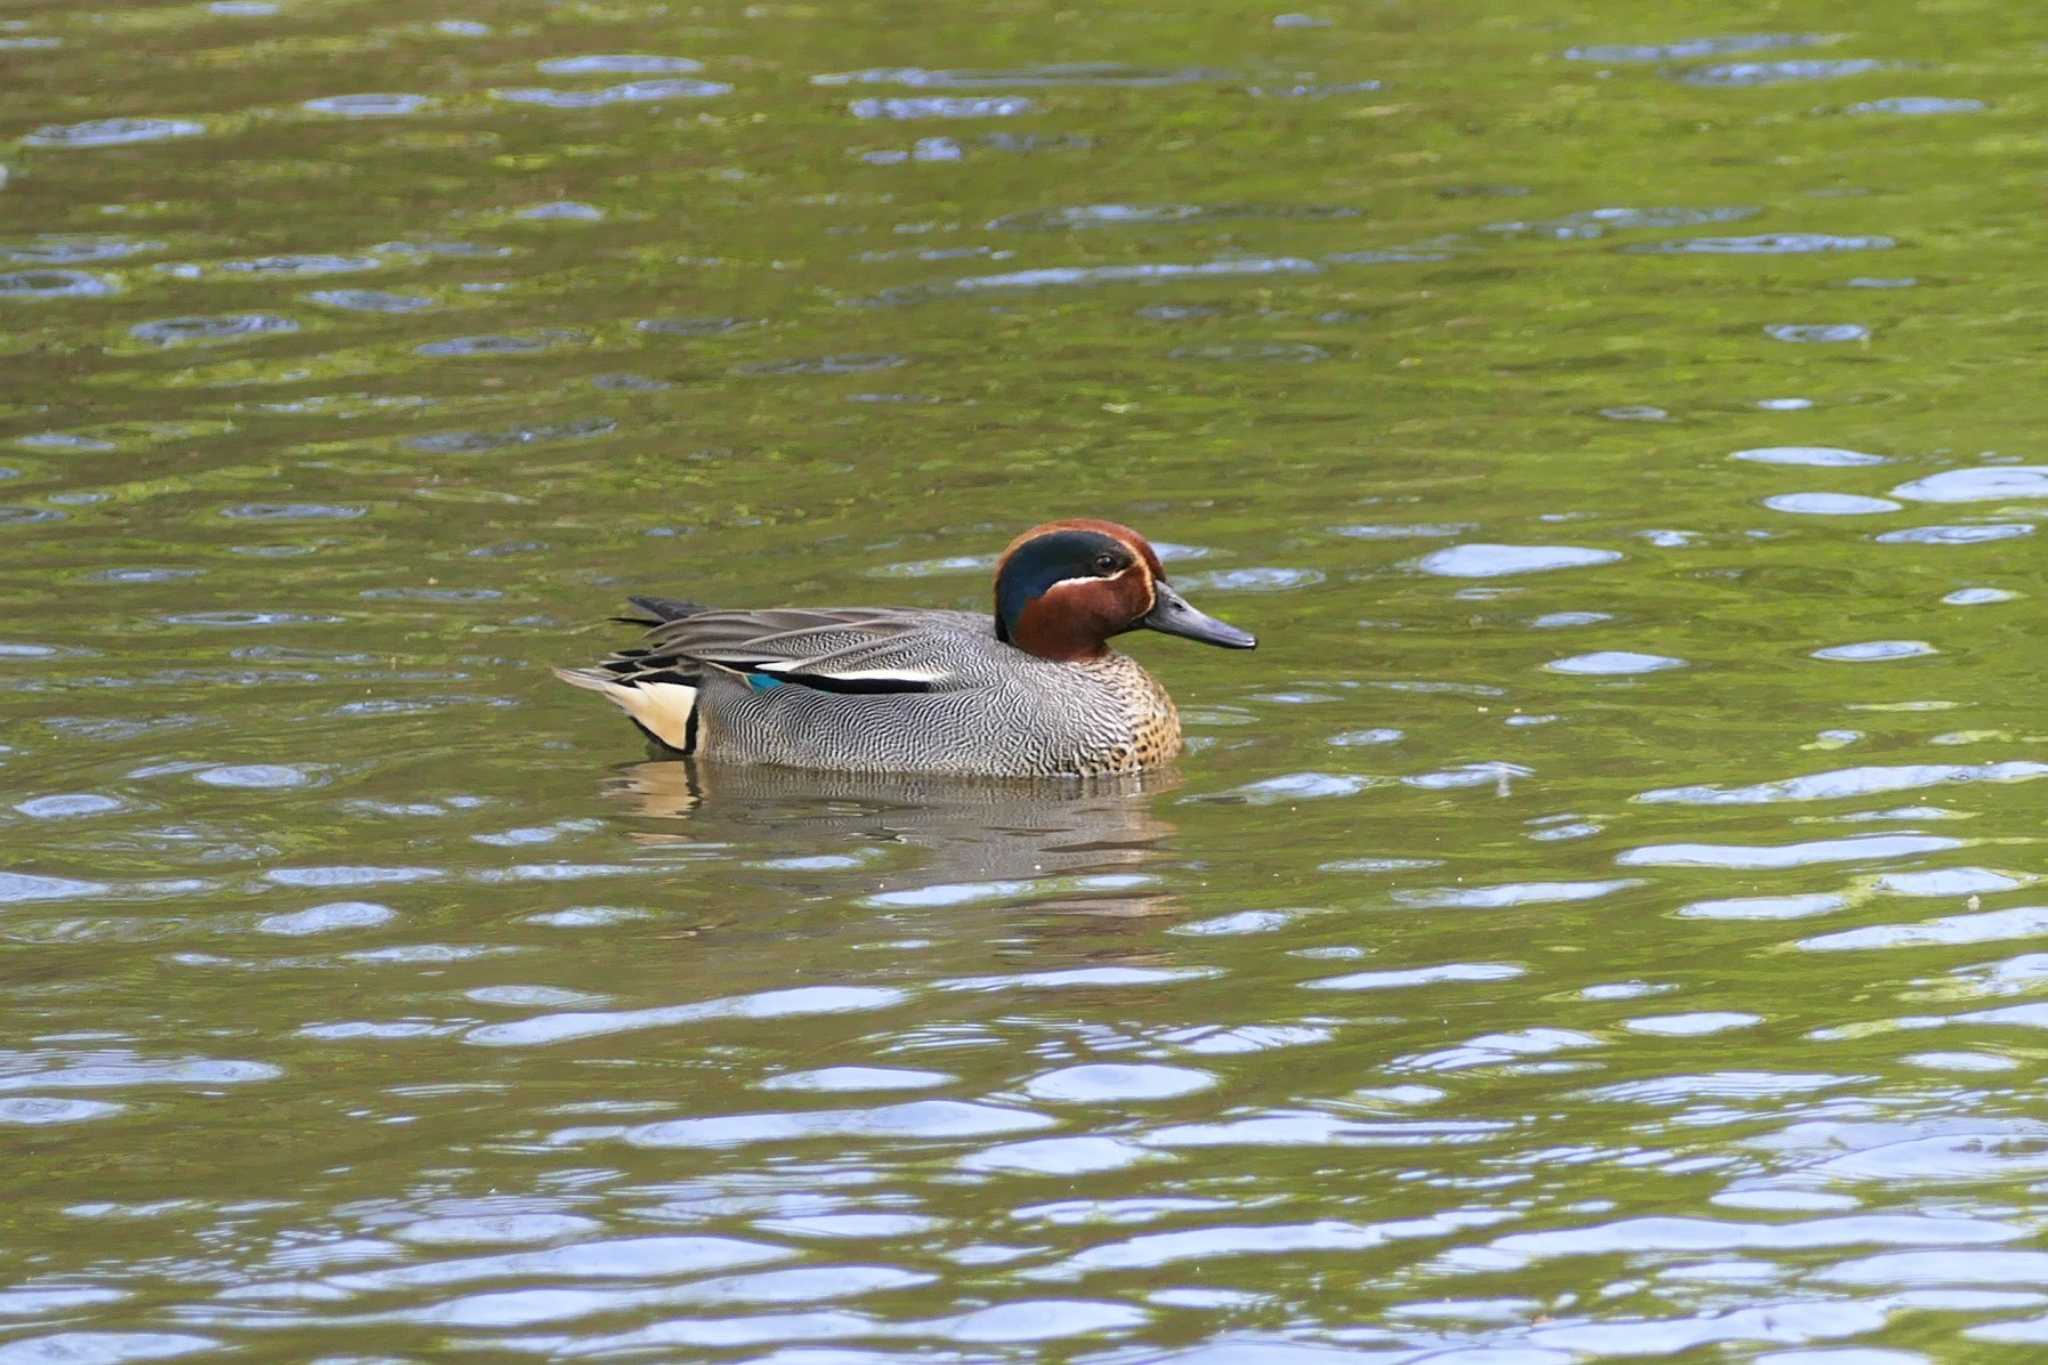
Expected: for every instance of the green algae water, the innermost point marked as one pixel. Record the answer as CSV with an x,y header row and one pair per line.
x,y
1603,920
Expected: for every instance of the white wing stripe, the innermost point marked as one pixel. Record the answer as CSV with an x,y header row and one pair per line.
x,y
908,675
903,649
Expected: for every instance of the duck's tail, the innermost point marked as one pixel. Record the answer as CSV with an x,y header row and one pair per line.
x,y
662,702
656,687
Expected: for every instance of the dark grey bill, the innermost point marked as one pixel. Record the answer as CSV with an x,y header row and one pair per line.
x,y
1172,615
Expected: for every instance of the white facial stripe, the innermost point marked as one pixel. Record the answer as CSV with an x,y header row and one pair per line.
x,y
1151,588
1111,578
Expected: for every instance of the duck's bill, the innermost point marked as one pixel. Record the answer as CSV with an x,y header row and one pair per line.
x,y
1172,615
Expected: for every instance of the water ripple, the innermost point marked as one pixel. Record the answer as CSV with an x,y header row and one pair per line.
x,y
1317,90
1992,483
1819,457
546,1029
923,1120
1990,926
690,327
57,284
1117,1083
1253,352
1742,75
369,301
1766,907
499,345
1766,244
119,1070
69,806
1418,976
1594,223
1156,1251
293,511
624,64
1107,74
1497,775
478,442
1496,561
1740,1086
456,249
510,1229
1123,274
631,92
308,264
1980,534
1124,215
1513,894
36,1111
1875,651
1395,257
1818,333
1640,1235
257,776
827,364
1918,106
1847,782
368,106
563,211
1829,504
200,331
1292,787
1694,1025
1061,1156
1422,531
64,249
327,919
1612,662
1080,977
1686,49
60,1348
628,1258
838,1079
942,106
112,132
1772,856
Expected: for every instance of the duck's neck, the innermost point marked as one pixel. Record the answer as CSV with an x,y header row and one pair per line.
x,y
1056,637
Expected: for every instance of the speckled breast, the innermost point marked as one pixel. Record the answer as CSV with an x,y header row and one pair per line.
x,y
1149,723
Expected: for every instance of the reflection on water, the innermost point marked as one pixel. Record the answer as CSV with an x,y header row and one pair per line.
x,y
1607,924
916,842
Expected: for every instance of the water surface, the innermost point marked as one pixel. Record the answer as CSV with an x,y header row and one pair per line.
x,y
1604,919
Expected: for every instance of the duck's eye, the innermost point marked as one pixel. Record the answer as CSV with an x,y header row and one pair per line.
x,y
1105,563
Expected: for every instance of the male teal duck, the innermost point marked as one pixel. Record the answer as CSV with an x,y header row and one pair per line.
x,y
1035,691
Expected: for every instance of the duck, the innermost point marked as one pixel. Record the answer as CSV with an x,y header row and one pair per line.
x,y
1032,689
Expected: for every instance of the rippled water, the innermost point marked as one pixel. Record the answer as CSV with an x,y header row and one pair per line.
x,y
1601,921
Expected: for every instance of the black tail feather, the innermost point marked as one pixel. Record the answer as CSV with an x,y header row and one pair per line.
x,y
660,610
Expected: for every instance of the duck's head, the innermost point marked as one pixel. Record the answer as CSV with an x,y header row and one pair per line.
x,y
1062,589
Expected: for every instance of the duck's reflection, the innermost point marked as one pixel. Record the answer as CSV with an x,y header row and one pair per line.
x,y
1078,845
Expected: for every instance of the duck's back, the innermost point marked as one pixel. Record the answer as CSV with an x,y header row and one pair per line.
x,y
989,710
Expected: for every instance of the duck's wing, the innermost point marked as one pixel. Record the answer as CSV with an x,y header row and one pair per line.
x,y
837,649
